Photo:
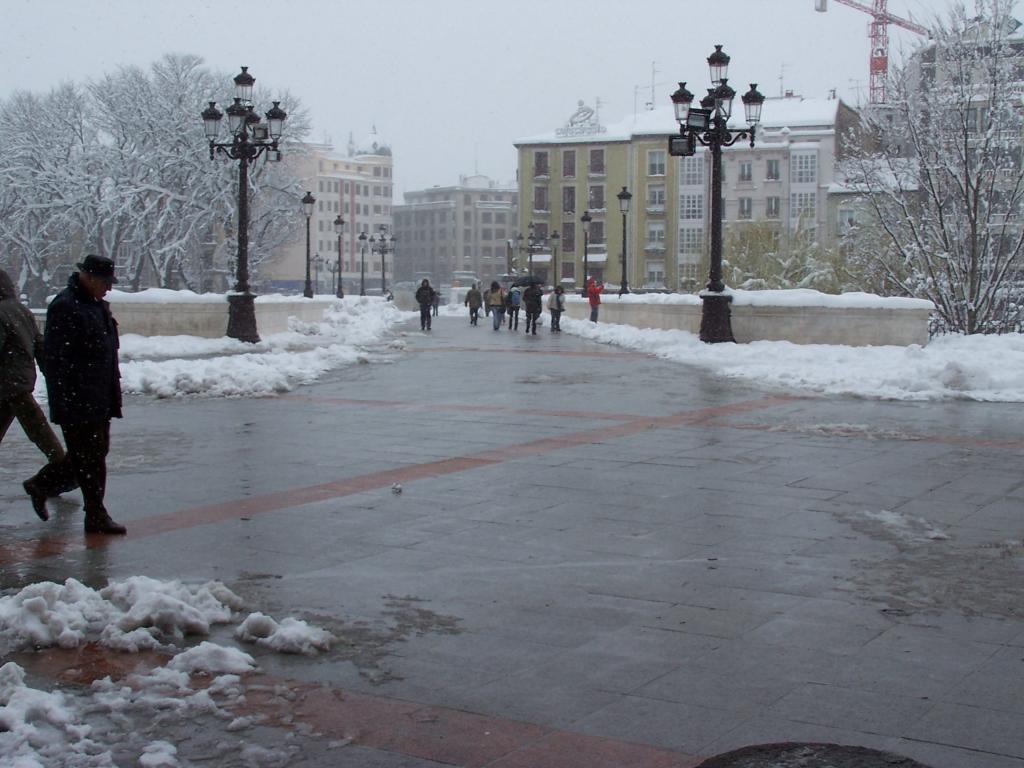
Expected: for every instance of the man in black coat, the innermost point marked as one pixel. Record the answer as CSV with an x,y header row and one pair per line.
x,y
425,297
83,384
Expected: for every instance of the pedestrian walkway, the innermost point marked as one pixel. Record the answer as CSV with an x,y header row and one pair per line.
x,y
540,551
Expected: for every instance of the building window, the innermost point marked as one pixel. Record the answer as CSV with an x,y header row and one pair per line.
x,y
805,165
596,197
655,274
691,241
688,275
656,234
771,208
771,172
846,219
540,163
569,199
691,207
746,171
803,205
485,217
655,162
540,198
597,161
569,163
487,234
656,196
691,171
499,218
746,208
568,237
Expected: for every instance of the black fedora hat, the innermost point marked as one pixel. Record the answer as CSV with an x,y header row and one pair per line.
x,y
99,266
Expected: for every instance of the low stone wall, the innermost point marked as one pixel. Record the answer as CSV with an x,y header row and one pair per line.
x,y
210,319
851,326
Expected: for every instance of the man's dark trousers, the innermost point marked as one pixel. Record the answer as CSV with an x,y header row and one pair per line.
x,y
86,462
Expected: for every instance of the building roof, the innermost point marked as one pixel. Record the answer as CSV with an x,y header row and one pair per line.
x,y
786,112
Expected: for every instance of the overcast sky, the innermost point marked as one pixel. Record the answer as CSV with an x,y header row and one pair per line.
x,y
450,84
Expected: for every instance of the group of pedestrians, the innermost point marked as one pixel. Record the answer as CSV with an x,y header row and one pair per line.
x,y
78,354
504,305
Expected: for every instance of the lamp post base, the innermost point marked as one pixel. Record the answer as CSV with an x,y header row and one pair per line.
x,y
242,317
716,318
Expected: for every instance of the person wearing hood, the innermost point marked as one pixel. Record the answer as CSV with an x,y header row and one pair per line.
x,y
425,296
21,347
83,384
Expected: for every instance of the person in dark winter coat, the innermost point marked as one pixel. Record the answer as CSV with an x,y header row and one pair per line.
x,y
533,302
474,301
21,347
425,298
83,384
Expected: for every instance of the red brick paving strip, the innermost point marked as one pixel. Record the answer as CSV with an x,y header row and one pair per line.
x,y
20,552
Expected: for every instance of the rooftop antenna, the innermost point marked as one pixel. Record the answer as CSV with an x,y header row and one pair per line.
x,y
597,109
782,79
654,73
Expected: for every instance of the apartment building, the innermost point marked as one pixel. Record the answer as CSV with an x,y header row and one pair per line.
x,y
464,227
783,181
356,184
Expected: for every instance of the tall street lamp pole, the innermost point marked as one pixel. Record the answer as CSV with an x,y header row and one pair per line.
x,y
250,137
383,246
531,241
307,206
624,198
318,261
555,238
339,227
585,219
362,263
708,124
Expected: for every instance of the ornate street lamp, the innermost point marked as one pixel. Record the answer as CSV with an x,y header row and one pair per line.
x,y
708,124
585,219
332,267
307,206
362,263
555,238
339,227
250,137
383,245
624,198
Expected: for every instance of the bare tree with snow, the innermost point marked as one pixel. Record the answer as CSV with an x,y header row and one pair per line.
x,y
942,178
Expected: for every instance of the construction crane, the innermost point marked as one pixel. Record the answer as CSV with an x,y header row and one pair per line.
x,y
879,34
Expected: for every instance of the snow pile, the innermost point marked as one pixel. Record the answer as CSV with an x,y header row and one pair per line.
x,y
791,297
289,636
40,728
168,366
906,527
984,368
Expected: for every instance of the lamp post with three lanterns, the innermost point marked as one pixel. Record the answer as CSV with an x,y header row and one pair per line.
x,y
382,245
250,138
708,124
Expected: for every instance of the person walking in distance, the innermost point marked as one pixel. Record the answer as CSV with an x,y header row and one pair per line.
x,y
556,305
512,301
594,297
83,384
533,301
474,301
425,298
21,347
496,304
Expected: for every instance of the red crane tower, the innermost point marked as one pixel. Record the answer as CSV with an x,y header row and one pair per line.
x,y
879,34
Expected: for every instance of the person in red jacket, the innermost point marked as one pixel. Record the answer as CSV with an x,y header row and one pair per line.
x,y
594,290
